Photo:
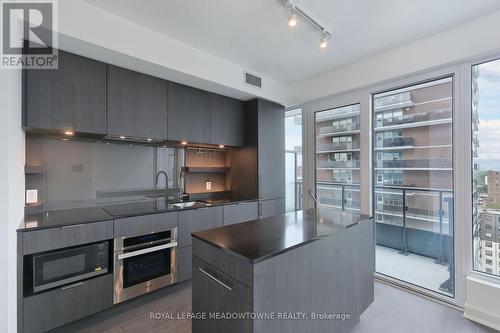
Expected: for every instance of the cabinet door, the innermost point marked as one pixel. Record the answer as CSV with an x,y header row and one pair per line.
x,y
137,104
196,220
268,208
188,114
185,263
72,97
226,120
216,292
240,212
271,137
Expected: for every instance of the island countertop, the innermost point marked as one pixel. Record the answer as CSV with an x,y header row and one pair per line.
x,y
265,238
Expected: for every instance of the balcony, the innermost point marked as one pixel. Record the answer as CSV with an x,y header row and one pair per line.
x,y
353,164
415,119
336,146
414,164
396,142
336,129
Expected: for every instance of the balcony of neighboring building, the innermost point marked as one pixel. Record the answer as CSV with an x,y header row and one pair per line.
x,y
330,164
418,119
322,148
414,164
338,129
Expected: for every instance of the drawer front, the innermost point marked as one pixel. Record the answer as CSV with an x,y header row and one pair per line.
x,y
268,208
185,255
55,238
196,220
241,212
237,267
145,224
218,279
63,305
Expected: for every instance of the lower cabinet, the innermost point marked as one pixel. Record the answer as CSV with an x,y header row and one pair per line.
x,y
268,208
215,292
185,264
54,308
241,212
196,220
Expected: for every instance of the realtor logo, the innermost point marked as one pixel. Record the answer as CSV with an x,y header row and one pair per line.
x,y
28,35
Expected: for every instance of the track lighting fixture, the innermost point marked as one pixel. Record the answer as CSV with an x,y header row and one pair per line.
x,y
292,18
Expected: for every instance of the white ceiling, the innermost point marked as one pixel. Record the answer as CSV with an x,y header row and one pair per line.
x,y
254,33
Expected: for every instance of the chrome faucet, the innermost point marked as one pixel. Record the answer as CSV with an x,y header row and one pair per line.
x,y
158,177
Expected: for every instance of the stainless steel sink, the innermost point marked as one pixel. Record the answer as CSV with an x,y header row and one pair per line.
x,y
188,204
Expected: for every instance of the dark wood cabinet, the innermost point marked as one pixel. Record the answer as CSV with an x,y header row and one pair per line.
x,y
137,104
273,207
72,97
144,224
184,263
54,308
196,220
216,292
226,120
271,151
188,114
241,212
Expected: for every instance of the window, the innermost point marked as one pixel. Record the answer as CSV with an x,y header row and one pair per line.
x,y
337,158
293,160
485,114
413,183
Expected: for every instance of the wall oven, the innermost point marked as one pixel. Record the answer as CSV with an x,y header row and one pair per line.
x,y
57,268
144,263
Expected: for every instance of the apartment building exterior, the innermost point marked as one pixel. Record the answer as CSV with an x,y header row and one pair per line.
x,y
337,157
413,157
487,256
493,182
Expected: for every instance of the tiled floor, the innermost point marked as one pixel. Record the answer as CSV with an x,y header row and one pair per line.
x,y
413,268
393,311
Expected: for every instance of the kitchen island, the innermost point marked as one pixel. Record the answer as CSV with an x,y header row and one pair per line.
x,y
305,271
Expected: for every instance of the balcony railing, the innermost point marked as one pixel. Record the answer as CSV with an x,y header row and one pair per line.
x,y
441,212
420,164
339,128
341,200
321,147
416,118
338,164
396,142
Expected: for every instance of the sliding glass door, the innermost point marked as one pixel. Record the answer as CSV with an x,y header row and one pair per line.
x,y
413,184
338,158
293,160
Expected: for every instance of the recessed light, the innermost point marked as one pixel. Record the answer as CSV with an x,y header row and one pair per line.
x,y
150,140
184,143
68,133
122,137
164,146
221,146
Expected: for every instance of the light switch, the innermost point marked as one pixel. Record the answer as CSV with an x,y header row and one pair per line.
x,y
208,185
31,196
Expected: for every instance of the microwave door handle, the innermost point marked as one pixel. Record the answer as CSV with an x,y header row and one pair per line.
x,y
147,250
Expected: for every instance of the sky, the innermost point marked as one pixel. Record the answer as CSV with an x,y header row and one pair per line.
x,y
489,116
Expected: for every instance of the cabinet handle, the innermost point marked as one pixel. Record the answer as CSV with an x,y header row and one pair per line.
x,y
72,226
215,278
72,286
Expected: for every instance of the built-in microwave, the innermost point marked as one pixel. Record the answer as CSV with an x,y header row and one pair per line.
x,y
60,267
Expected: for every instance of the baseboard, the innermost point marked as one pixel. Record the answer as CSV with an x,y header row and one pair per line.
x,y
481,317
482,303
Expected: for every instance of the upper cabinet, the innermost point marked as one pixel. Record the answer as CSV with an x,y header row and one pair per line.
x,y
188,114
226,123
137,104
72,97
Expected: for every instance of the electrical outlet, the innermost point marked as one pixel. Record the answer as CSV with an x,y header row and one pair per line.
x,y
31,196
208,185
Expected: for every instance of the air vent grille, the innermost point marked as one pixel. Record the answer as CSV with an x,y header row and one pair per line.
x,y
253,80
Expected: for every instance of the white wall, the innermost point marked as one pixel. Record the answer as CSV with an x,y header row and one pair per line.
x,y
12,193
461,42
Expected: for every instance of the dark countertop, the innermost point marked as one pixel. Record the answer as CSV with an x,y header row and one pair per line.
x,y
59,218
262,239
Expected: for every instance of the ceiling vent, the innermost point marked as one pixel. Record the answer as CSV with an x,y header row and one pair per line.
x,y
253,80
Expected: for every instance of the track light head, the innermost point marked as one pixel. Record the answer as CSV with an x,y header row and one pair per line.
x,y
324,39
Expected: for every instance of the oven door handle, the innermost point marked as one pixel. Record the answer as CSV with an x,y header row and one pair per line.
x,y
122,256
